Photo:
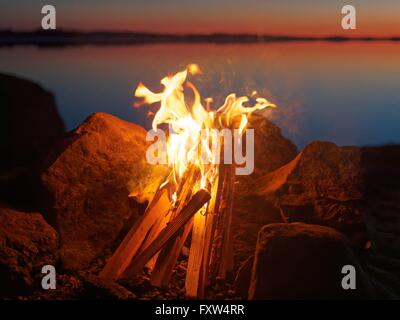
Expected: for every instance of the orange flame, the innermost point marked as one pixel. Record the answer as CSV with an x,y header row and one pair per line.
x,y
187,121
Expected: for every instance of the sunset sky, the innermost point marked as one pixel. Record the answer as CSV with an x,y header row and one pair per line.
x,y
296,17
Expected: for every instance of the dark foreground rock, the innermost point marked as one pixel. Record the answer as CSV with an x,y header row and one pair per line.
x,y
301,261
322,185
381,209
88,186
381,197
27,243
29,125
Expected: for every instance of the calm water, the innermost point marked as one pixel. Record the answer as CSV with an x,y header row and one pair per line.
x,y
348,93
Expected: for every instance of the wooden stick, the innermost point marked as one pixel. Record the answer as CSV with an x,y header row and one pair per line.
x,y
121,258
219,221
195,254
226,264
209,236
197,201
153,233
168,256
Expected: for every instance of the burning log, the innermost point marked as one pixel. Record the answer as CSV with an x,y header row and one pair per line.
x,y
221,259
209,234
194,205
195,254
226,260
212,231
169,254
160,224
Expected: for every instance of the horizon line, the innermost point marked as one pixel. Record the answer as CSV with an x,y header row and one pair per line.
x,y
145,32
64,37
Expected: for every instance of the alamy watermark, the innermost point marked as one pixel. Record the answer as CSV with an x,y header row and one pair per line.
x,y
348,20
49,18
349,280
49,278
208,150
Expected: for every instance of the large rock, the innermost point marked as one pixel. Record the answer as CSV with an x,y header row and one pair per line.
x,y
29,121
89,183
381,197
27,243
301,261
271,151
322,185
29,125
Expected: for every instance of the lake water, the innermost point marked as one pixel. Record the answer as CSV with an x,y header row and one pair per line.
x,y
348,93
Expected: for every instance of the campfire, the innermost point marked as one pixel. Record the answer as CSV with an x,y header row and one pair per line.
x,y
195,201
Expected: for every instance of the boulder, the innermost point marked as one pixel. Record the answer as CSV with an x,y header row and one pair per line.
x,y
250,212
29,121
301,261
88,185
381,197
29,125
322,185
271,149
27,243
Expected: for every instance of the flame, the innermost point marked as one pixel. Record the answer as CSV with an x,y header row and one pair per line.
x,y
187,121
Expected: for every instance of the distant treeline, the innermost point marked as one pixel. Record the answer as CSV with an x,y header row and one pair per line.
x,y
64,38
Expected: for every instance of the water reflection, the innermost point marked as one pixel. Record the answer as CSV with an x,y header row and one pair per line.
x,y
343,92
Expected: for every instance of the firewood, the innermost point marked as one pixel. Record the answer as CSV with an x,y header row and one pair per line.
x,y
195,203
218,223
220,260
121,258
226,263
160,224
209,235
195,254
168,256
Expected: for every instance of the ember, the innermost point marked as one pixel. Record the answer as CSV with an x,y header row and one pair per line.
x,y
197,196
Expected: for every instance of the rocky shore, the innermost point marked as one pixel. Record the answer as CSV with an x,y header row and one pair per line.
x,y
297,220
